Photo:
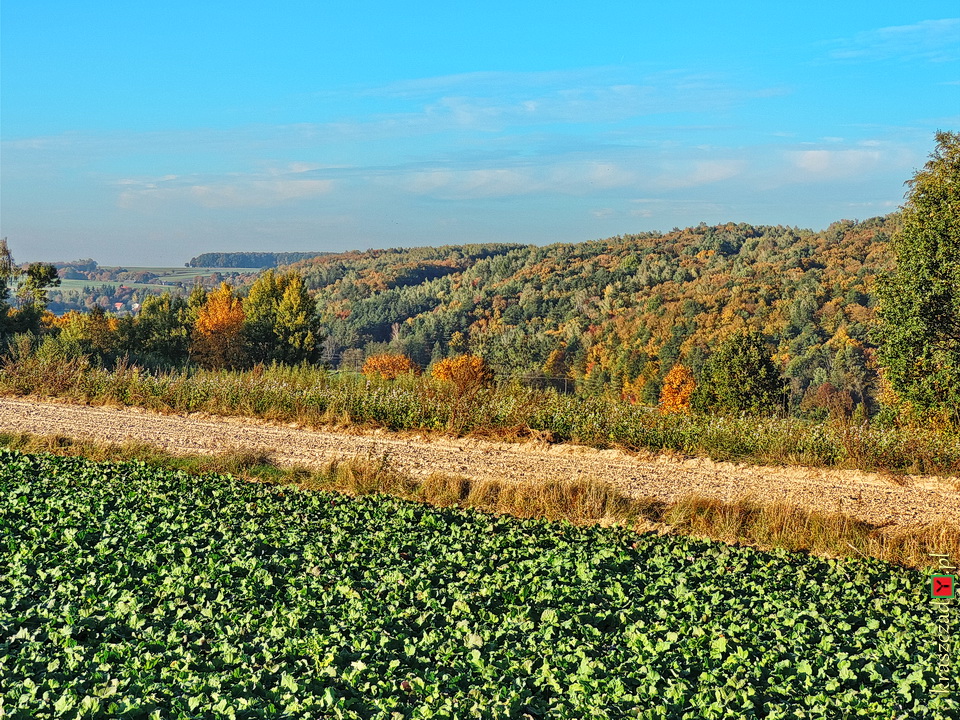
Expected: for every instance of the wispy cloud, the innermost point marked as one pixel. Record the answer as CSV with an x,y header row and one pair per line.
x,y
495,101
550,175
699,172
261,190
835,163
630,170
930,40
860,160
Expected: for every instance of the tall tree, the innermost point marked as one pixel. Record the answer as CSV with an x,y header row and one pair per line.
x,y
919,308
297,327
217,341
281,320
160,333
37,278
260,308
678,387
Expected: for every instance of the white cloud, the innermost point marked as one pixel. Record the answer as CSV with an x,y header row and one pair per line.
x,y
835,163
494,101
931,40
550,175
258,193
481,183
235,192
636,170
699,172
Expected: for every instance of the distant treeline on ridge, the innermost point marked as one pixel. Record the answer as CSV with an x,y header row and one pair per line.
x,y
249,259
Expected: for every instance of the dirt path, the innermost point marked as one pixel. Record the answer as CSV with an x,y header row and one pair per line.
x,y
862,495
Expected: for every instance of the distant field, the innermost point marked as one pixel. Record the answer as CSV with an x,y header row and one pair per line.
x,y
79,285
181,273
187,276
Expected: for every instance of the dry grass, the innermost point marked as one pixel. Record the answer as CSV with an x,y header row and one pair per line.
x,y
580,502
244,463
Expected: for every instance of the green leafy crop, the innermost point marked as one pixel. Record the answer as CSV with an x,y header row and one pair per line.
x,y
127,591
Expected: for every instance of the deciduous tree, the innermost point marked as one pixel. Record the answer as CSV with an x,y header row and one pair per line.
x,y
160,333
919,308
677,390
8,273
281,320
467,372
217,341
740,377
29,287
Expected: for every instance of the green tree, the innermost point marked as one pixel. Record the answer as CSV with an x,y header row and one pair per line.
x,y
30,289
260,307
160,334
919,303
297,327
281,320
196,300
740,377
33,290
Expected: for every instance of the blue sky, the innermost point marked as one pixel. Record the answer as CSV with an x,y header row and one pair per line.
x,y
144,134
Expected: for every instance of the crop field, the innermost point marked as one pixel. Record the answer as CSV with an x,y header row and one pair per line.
x,y
129,591
187,276
79,285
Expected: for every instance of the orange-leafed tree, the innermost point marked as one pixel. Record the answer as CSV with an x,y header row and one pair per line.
x,y
678,387
390,366
217,341
557,364
467,372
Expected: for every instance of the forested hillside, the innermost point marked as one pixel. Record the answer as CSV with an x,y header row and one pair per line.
x,y
619,313
609,316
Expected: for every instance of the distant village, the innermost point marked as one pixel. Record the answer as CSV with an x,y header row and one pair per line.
x,y
121,290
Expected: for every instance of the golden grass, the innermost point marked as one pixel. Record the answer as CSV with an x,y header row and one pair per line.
x,y
581,502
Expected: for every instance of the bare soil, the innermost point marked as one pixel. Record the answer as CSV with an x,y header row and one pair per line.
x,y
871,497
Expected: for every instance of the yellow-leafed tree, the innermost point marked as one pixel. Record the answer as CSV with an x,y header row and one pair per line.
x,y
95,331
217,340
390,366
678,387
467,372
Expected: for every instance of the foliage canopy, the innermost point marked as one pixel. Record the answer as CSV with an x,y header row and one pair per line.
x,y
919,336
217,341
741,377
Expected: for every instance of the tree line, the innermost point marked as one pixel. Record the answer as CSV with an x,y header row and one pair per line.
x,y
276,321
248,259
